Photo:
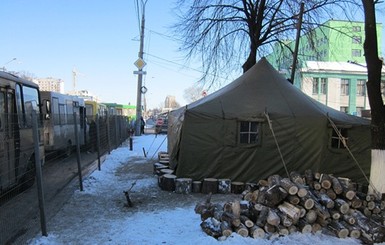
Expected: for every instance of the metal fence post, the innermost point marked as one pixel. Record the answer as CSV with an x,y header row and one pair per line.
x,y
78,153
98,139
39,179
108,134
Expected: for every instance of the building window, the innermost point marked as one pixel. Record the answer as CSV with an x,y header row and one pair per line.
x,y
323,87
315,85
361,87
249,132
345,86
357,40
356,28
383,88
356,52
338,139
344,109
359,111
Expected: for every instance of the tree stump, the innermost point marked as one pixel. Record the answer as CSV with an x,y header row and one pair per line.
x,y
196,186
210,185
237,187
167,182
224,186
183,185
166,171
158,167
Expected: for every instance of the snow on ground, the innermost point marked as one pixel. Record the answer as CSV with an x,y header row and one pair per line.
x,y
97,215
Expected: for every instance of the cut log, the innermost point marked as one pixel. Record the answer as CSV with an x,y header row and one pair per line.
x,y
322,211
309,177
237,187
246,221
242,230
274,179
183,185
302,190
290,210
272,196
307,202
311,216
257,232
355,203
316,186
236,208
224,186
285,221
349,219
158,167
296,178
331,194
293,199
304,227
316,228
289,186
336,185
212,227
340,230
335,214
261,220
210,185
226,229
324,200
282,230
231,219
270,228
273,218
326,181
166,171
167,182
341,205
196,186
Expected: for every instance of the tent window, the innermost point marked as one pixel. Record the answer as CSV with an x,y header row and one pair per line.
x,y
249,132
337,141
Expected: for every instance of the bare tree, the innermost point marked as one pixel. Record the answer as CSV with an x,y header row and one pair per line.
x,y
193,93
374,65
227,33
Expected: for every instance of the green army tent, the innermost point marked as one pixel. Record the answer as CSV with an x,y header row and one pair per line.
x,y
259,125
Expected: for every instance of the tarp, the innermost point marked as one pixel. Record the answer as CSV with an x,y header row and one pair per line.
x,y
204,136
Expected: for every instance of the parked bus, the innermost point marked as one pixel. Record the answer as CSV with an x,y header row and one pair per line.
x,y
93,108
18,99
59,129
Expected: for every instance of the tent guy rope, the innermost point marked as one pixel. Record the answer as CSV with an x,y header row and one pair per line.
x,y
276,142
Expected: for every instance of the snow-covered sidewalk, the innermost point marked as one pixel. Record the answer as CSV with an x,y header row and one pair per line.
x,y
98,214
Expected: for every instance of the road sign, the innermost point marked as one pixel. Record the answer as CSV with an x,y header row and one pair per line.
x,y
140,63
140,72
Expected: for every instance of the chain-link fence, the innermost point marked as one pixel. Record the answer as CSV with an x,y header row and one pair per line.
x,y
66,150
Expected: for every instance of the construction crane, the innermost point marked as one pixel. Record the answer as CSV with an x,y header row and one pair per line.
x,y
75,73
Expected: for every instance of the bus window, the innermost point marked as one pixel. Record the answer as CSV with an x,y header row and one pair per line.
x,y
48,109
31,98
55,111
2,111
62,114
19,106
70,112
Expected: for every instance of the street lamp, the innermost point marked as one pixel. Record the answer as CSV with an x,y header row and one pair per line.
x,y
8,63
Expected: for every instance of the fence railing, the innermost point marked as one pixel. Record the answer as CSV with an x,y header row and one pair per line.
x,y
27,197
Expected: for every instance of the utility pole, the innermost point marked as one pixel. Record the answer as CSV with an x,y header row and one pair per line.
x,y
295,55
140,64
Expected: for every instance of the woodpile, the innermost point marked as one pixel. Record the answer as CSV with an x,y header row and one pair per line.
x,y
309,203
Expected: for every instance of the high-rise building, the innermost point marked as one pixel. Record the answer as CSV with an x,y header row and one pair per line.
x,y
50,84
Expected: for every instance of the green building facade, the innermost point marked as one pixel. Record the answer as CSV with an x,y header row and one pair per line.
x,y
331,64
